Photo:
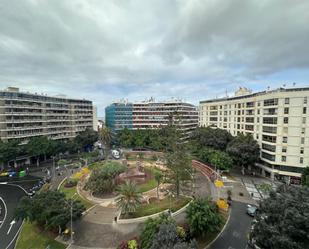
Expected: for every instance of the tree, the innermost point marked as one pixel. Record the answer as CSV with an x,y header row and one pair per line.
x,y
106,137
221,160
283,219
102,180
9,151
179,166
49,209
305,177
37,146
151,227
244,150
168,238
86,139
212,137
158,177
129,198
203,217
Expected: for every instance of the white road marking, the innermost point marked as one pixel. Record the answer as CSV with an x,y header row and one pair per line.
x,y
5,211
14,236
11,225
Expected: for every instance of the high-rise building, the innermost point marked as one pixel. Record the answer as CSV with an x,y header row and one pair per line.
x,y
277,119
25,115
152,115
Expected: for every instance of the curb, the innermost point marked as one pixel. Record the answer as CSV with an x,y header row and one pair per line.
x,y
59,185
144,218
222,230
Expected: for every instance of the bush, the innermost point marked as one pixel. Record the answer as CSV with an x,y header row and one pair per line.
x,y
203,217
151,227
130,244
70,183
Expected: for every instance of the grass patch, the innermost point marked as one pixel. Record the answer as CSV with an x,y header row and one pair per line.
x,y
156,207
31,236
69,192
204,240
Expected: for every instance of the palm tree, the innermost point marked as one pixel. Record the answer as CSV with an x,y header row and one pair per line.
x,y
106,137
129,197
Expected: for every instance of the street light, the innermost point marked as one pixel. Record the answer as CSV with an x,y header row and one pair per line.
x,y
71,213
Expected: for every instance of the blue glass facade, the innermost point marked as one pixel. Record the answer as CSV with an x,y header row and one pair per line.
x,y
119,116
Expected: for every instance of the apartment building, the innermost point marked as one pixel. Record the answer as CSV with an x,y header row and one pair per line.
x,y
25,115
277,119
151,114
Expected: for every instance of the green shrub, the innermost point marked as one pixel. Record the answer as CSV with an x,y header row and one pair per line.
x,y
151,227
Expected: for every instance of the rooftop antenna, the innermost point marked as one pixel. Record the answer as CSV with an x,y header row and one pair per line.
x,y
268,88
226,93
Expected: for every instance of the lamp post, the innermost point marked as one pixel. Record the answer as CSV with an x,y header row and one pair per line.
x,y
70,203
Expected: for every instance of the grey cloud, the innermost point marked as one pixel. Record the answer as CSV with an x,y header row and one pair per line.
x,y
195,49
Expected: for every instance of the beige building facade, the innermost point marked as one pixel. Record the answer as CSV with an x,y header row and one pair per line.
x,y
25,115
277,119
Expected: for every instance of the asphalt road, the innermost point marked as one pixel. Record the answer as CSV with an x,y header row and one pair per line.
x,y
235,234
9,228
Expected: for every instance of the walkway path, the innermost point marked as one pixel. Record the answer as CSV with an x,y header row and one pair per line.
x,y
97,229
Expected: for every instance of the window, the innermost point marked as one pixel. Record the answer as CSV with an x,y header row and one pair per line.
x,y
304,120
270,120
269,129
285,120
305,100
286,110
270,102
304,110
301,150
271,139
269,147
285,139
258,111
284,149
301,160
268,156
286,101
302,130
283,158
302,140
258,119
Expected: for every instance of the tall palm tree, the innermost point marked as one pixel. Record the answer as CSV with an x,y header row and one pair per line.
x,y
106,137
158,177
129,198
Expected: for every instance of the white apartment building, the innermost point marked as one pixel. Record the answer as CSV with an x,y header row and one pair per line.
x,y
277,119
25,115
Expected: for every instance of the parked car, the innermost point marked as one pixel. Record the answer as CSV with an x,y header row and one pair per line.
x,y
252,210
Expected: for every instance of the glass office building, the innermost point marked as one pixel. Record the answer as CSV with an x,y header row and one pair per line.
x,y
119,116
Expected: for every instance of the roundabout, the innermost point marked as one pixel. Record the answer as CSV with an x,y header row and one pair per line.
x,y
98,229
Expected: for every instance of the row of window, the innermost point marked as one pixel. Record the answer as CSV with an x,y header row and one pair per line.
x,y
266,102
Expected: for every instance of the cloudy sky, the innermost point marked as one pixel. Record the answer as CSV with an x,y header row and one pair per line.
x,y
106,50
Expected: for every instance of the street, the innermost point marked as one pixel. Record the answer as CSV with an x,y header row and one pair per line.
x,y
9,228
235,234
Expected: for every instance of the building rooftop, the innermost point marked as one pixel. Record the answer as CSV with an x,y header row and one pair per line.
x,y
59,96
248,94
